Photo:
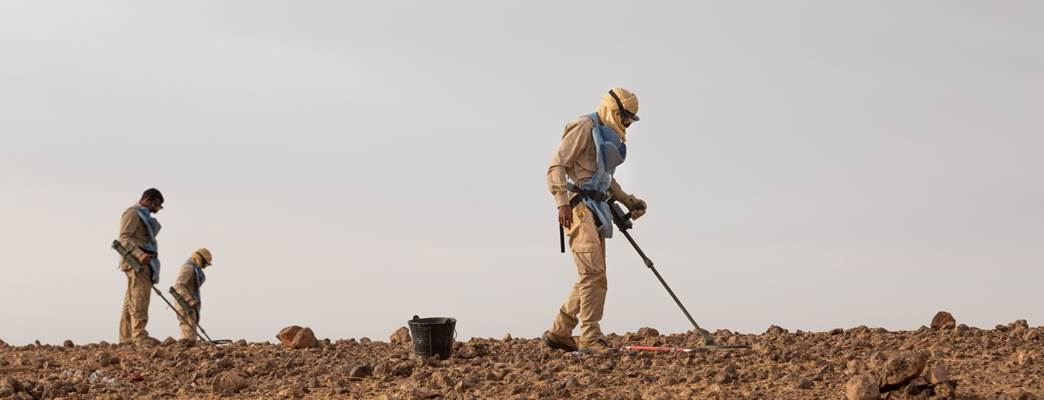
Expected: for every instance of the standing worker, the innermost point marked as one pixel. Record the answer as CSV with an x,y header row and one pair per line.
x,y
580,178
138,230
187,285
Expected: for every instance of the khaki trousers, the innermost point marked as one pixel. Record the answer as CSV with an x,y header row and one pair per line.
x,y
188,328
586,300
135,307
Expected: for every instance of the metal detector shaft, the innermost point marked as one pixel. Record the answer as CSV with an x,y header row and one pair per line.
x,y
649,264
180,317
623,222
184,306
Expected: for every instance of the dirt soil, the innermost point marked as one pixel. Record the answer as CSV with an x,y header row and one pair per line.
x,y
1002,363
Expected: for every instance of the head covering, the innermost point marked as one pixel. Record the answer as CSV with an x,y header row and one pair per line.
x,y
609,113
202,257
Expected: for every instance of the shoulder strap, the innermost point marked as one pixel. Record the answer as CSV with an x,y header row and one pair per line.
x,y
594,117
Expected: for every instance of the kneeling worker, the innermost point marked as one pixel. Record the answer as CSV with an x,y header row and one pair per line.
x,y
187,288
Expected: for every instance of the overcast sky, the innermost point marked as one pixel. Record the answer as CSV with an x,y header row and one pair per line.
x,y
811,164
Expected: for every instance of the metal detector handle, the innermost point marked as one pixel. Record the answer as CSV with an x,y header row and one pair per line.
x,y
622,219
126,255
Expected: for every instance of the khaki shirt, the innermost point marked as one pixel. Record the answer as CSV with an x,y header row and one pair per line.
x,y
133,234
576,159
186,284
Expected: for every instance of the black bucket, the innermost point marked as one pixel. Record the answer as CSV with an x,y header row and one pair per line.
x,y
433,336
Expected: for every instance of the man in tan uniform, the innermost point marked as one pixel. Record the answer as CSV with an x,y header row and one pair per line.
x,y
576,162
138,232
187,285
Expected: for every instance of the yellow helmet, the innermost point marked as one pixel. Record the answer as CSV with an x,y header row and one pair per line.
x,y
203,257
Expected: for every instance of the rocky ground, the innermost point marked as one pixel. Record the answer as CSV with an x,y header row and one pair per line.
x,y
947,361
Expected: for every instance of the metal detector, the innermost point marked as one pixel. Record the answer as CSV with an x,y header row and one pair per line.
x,y
623,222
126,255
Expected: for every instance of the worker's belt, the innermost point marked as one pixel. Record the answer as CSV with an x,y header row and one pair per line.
x,y
583,194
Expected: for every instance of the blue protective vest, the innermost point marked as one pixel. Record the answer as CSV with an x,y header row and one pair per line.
x,y
610,153
152,226
200,278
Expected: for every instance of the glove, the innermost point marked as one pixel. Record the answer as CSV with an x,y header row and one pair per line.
x,y
636,206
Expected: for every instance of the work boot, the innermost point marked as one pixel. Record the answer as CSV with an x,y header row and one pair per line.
x,y
148,341
597,346
559,343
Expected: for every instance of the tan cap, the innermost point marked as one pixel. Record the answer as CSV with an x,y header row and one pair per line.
x,y
204,256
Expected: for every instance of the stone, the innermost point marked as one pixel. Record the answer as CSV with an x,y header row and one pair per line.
x,y
775,330
855,367
105,359
400,336
423,394
1022,357
360,372
8,387
68,343
304,339
803,383
915,386
286,335
1029,336
293,392
938,373
943,320
901,368
296,337
169,341
228,383
441,380
647,332
945,391
862,387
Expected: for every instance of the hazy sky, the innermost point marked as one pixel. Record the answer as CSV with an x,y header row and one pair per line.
x,y
808,164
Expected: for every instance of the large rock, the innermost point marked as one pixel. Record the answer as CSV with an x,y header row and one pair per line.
x,y
862,387
304,339
901,368
296,337
943,320
286,335
400,336
228,383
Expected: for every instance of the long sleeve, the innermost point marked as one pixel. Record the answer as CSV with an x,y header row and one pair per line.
x,y
129,224
617,192
185,282
574,142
